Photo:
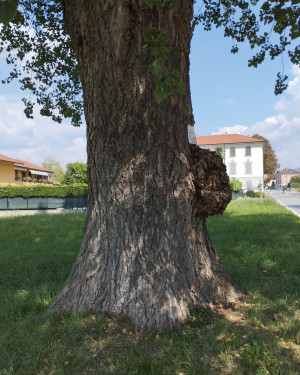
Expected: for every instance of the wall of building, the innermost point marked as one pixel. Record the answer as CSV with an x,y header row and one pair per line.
x,y
283,178
22,176
250,179
7,173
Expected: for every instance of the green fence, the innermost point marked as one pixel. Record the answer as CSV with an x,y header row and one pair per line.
x,y
236,194
39,203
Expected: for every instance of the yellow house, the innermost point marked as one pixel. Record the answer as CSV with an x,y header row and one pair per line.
x,y
20,172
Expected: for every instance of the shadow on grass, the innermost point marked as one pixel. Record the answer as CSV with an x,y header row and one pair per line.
x,y
260,251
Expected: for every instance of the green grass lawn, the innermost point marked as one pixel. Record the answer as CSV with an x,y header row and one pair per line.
x,y
259,243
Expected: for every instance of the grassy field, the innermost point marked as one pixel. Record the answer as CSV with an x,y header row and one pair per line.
x,y
259,243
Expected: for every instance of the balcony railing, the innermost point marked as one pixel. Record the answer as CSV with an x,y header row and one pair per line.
x,y
34,180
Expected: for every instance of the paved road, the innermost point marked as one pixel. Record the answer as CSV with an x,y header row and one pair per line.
x,y
290,199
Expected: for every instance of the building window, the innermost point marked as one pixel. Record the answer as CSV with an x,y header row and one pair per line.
x,y
232,168
248,167
23,176
232,152
248,151
248,185
16,175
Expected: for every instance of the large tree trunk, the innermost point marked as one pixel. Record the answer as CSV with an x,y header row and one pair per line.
x,y
146,251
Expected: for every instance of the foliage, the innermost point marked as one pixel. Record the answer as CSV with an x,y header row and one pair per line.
x,y
261,336
167,79
42,190
270,27
235,184
219,150
250,194
270,159
295,185
253,194
55,167
8,10
257,194
295,179
75,173
39,49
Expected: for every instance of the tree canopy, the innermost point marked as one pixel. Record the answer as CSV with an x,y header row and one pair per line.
x,y
270,159
295,179
75,173
55,167
38,46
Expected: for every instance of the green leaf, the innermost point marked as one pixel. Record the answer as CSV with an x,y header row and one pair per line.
x,y
160,71
8,10
180,88
160,94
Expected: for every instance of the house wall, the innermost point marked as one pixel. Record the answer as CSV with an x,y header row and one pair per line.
x,y
21,175
283,178
7,173
8,176
249,178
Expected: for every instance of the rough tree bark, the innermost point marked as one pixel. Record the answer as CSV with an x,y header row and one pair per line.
x,y
146,252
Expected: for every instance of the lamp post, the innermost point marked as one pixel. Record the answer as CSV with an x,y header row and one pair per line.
x,y
260,189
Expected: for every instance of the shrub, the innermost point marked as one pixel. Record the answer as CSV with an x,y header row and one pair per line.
x,y
257,194
295,185
61,191
235,185
250,194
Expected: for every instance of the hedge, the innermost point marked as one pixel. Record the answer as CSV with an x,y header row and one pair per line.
x,y
253,194
61,191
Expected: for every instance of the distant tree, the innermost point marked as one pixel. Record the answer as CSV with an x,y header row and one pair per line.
x,y
75,173
219,150
54,166
270,159
235,185
295,179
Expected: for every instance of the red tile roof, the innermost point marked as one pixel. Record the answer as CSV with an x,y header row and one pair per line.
x,y
225,139
22,163
288,171
5,158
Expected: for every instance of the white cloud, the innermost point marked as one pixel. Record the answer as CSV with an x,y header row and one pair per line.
x,y
236,129
283,129
230,101
75,152
35,139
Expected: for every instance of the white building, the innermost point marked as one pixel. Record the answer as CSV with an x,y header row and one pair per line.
x,y
243,157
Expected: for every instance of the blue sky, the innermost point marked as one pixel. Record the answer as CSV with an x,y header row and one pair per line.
x,y
227,96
